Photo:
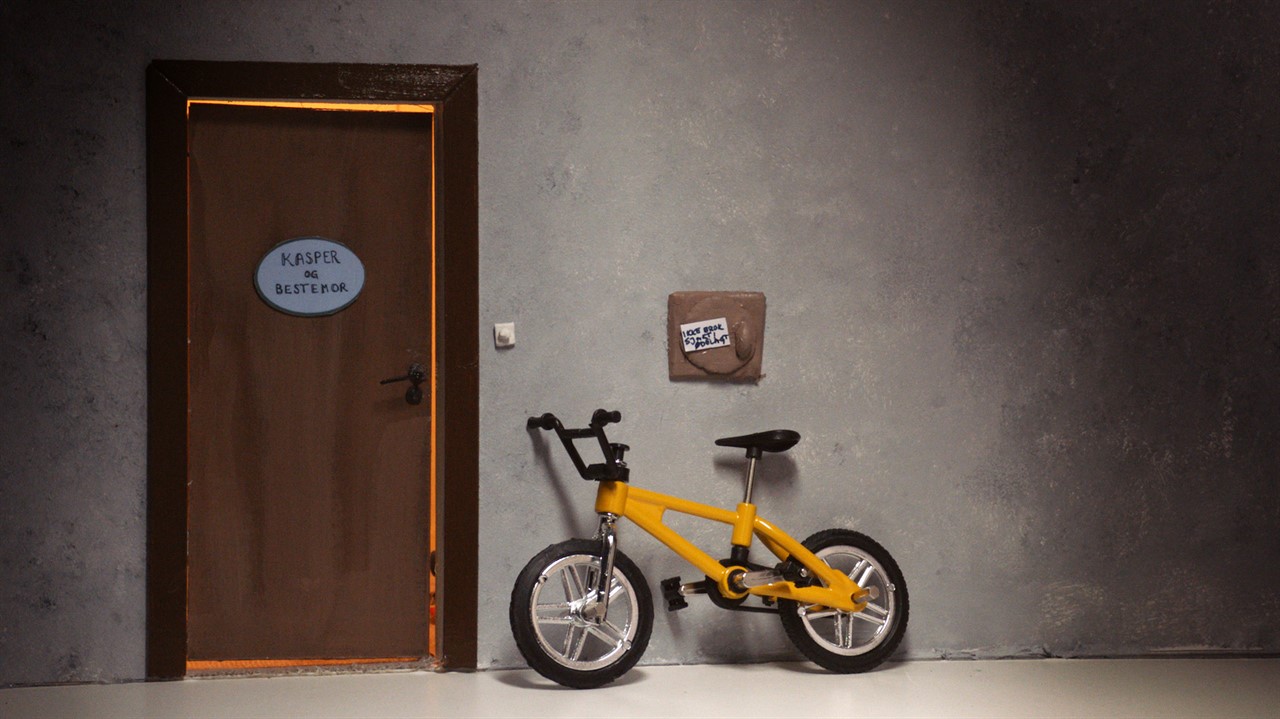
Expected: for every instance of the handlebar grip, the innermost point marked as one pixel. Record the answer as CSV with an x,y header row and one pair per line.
x,y
600,417
546,421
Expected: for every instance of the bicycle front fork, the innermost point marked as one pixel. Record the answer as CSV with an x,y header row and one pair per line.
x,y
598,609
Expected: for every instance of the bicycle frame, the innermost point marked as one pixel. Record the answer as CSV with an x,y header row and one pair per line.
x,y
646,508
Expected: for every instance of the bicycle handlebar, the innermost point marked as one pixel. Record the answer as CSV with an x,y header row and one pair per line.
x,y
546,421
600,417
613,468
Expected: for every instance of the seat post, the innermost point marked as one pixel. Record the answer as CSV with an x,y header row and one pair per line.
x,y
753,455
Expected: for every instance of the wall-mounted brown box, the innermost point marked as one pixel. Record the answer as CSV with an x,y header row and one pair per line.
x,y
715,335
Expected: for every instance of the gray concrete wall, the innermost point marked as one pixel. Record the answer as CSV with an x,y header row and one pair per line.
x,y
1020,260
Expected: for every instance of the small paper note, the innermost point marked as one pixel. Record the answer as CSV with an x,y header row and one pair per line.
x,y
705,335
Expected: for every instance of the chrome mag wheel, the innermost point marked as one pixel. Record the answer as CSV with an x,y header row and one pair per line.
x,y
557,622
851,641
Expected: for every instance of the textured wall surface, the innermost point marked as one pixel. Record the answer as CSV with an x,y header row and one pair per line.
x,y
1020,261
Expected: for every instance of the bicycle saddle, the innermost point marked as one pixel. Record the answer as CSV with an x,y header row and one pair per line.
x,y
776,440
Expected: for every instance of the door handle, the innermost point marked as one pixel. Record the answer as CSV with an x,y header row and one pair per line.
x,y
416,375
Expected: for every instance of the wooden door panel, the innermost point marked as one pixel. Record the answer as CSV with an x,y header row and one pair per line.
x,y
309,482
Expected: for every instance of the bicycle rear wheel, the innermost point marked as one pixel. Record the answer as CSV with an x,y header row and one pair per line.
x,y
848,642
551,615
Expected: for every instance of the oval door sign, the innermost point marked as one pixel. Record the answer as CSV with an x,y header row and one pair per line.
x,y
309,277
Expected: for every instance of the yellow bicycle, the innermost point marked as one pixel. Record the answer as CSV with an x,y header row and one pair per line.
x,y
582,613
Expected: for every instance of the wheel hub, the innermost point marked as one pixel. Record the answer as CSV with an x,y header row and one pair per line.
x,y
585,613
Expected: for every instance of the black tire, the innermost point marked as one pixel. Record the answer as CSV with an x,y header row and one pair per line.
x,y
848,642
547,622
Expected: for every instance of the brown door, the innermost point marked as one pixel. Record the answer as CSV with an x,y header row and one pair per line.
x,y
309,482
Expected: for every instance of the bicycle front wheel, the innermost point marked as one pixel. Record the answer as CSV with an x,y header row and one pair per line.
x,y
848,642
552,615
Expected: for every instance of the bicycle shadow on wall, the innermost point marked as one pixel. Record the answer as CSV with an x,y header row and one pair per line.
x,y
730,637
777,478
571,522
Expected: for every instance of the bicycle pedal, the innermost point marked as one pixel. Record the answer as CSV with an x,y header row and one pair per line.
x,y
671,593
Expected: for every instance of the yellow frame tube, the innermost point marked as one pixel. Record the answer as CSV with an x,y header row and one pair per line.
x,y
646,508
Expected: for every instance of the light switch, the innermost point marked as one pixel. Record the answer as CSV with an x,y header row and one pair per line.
x,y
504,334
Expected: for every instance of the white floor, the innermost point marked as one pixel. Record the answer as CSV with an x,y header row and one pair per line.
x,y
1091,688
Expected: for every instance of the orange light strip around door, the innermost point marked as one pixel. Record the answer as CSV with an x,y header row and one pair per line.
x,y
434,525
196,666
340,106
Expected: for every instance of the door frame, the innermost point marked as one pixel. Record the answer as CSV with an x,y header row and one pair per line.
x,y
451,90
